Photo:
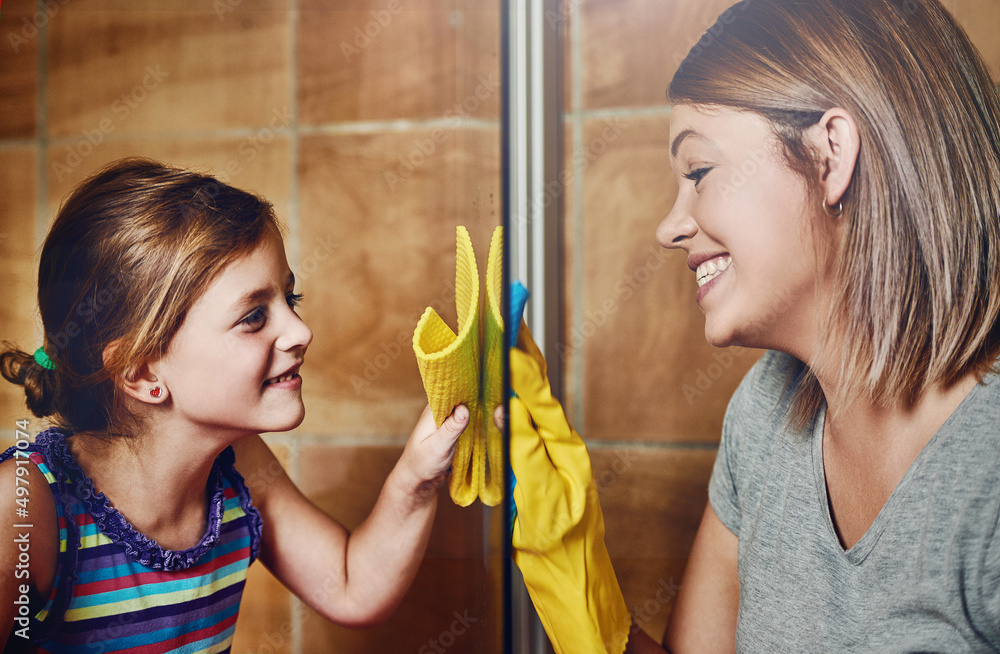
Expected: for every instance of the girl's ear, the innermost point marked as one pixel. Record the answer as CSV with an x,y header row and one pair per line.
x,y
837,141
143,385
139,383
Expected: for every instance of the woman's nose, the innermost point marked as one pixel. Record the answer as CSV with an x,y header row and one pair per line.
x,y
677,228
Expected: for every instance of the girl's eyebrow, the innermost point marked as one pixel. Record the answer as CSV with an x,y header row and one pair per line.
x,y
261,294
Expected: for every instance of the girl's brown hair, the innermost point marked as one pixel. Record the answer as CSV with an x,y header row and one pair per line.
x,y
919,264
129,252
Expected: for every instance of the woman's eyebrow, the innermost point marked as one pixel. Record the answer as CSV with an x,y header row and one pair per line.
x,y
675,146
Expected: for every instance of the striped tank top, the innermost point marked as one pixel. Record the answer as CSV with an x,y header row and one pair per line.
x,y
116,590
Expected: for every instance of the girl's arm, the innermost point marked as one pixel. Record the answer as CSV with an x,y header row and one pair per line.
x,y
354,579
27,556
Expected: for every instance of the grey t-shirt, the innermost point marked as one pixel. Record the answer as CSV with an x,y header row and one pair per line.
x,y
925,577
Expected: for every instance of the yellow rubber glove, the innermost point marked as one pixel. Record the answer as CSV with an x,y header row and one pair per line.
x,y
558,535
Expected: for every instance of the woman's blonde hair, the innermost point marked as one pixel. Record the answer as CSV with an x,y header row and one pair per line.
x,y
129,252
919,265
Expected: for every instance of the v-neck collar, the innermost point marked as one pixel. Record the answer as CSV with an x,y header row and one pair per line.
x,y
860,551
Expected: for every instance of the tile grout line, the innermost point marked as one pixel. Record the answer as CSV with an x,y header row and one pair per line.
x,y
332,129
41,140
576,383
651,446
342,440
624,112
294,450
392,442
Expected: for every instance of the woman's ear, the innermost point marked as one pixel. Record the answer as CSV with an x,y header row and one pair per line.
x,y
837,140
141,382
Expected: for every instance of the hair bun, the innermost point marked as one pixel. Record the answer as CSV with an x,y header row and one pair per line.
x,y
39,382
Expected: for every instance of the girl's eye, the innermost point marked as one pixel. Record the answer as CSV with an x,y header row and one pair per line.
x,y
696,175
255,319
293,299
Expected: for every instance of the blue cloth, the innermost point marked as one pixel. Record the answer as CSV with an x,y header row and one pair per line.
x,y
519,295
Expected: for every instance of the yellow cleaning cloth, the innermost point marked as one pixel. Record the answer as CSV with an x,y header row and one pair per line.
x,y
454,372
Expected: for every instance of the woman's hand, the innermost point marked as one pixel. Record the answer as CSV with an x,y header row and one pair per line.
x,y
558,535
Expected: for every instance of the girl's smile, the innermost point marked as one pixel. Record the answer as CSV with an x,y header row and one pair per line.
x,y
289,380
235,364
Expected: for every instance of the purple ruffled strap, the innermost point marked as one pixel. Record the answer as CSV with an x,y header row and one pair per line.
x,y
227,463
137,545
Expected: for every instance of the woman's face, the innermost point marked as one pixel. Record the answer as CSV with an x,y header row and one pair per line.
x,y
747,224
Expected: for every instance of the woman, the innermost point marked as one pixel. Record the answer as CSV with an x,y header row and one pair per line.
x,y
839,167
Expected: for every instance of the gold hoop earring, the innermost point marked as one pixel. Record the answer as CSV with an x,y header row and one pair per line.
x,y
832,214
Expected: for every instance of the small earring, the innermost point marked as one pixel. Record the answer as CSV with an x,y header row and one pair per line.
x,y
833,214
155,392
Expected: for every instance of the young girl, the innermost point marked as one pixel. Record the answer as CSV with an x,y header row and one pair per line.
x,y
838,164
171,342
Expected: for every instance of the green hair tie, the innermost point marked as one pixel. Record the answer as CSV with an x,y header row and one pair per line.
x,y
42,359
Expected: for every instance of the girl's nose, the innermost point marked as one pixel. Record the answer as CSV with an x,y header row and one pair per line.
x,y
295,333
677,228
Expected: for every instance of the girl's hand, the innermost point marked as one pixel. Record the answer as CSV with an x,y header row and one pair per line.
x,y
429,450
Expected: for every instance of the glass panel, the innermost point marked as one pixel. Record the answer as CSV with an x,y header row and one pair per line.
x,y
374,127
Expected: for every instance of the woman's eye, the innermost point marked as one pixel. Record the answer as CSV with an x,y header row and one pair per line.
x,y
696,175
255,319
293,299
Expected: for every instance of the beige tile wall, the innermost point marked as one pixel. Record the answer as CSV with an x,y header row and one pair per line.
x,y
374,134
373,127
645,389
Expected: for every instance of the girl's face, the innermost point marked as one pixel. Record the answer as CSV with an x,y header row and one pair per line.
x,y
234,362
743,217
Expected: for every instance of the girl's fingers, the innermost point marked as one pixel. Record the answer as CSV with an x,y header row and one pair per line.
x,y
500,418
455,424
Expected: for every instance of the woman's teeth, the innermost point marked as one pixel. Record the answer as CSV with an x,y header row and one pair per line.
x,y
712,268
